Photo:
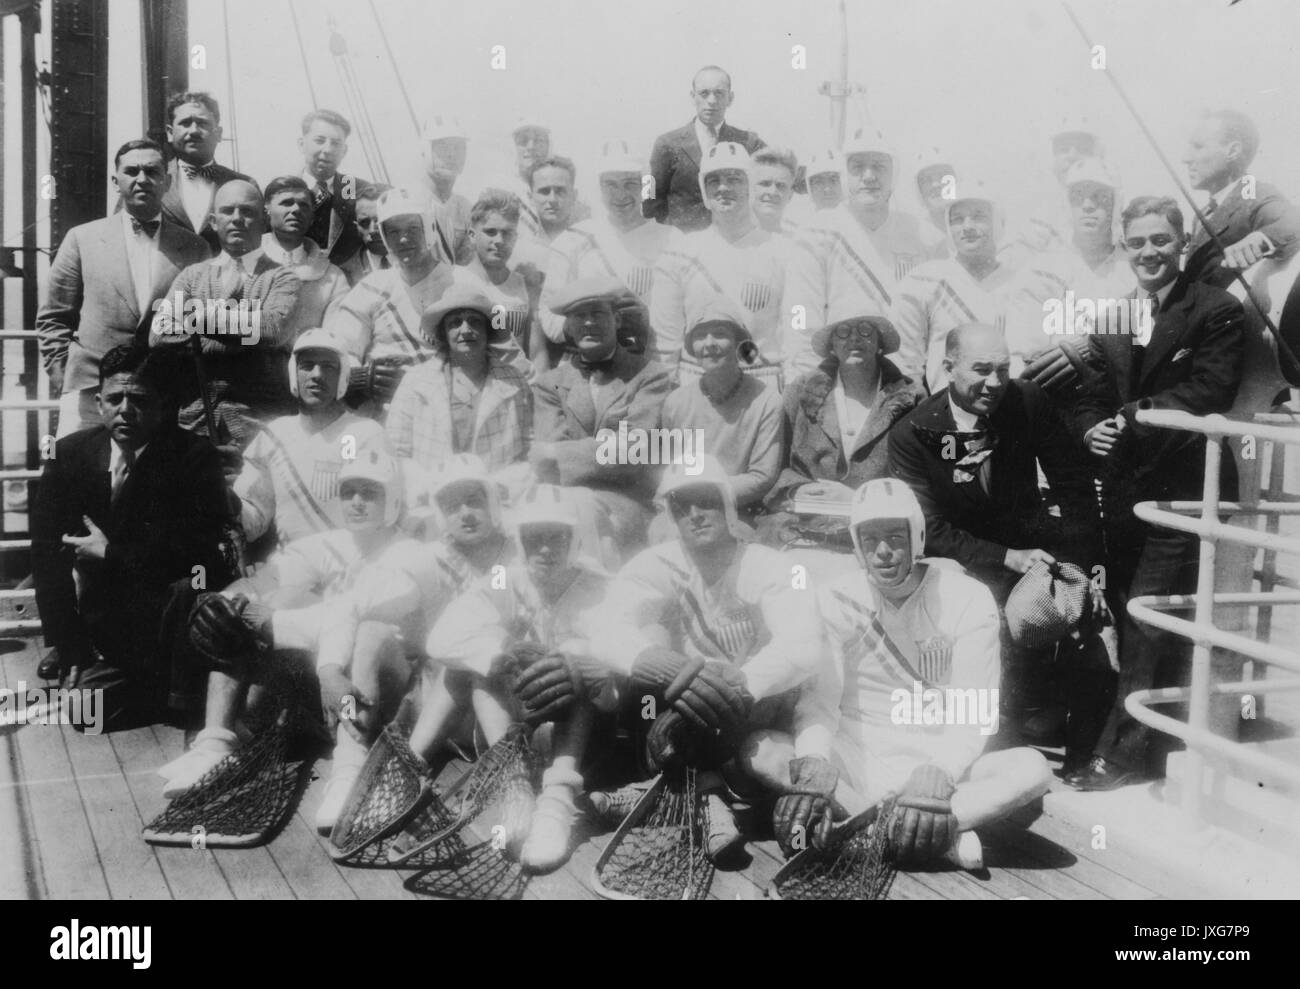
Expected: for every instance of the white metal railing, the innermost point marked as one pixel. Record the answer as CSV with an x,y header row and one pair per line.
x,y
1201,630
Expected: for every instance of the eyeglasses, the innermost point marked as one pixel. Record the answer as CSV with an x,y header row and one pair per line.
x,y
857,332
1157,240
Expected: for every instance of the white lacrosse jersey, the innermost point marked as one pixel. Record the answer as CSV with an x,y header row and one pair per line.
x,y
484,622
380,316
596,247
751,616
750,272
941,295
291,474
881,703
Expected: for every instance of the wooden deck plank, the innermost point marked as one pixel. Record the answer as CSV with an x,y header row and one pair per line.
x,y
59,835
20,873
1038,862
129,864
250,873
1083,869
192,874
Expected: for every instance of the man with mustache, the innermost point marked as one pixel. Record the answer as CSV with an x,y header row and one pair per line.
x,y
324,145
622,243
245,360
193,133
734,257
104,280
675,196
1191,360
290,477
971,455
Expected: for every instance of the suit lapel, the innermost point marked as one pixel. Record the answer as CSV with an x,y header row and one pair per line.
x,y
877,422
1171,324
172,205
577,400
336,216
119,268
691,143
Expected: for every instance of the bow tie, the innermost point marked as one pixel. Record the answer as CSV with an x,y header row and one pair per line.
x,y
975,447
587,368
150,227
208,171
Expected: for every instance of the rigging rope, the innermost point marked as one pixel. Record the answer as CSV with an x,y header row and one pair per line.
x,y
383,36
302,50
230,83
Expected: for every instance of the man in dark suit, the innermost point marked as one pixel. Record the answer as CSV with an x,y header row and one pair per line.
x,y
1188,359
194,131
1251,219
105,279
324,143
969,453
132,506
675,160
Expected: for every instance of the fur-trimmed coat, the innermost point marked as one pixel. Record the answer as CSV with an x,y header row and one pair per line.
x,y
812,431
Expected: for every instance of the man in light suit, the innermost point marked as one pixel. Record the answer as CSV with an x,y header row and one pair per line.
x,y
675,160
194,131
1251,219
105,279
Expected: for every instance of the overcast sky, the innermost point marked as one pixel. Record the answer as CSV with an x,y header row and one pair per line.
x,y
987,80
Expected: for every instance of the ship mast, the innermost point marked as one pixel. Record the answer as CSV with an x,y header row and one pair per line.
x,y
839,90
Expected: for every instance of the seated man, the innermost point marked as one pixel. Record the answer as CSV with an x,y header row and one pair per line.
x,y
131,506
544,621
290,476
604,389
352,598
379,320
740,416
900,626
243,307
971,455
727,608
289,209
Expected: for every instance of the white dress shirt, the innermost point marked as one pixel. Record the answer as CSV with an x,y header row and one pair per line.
x,y
141,259
706,138
196,195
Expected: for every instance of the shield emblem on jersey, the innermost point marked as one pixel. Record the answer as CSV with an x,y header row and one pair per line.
x,y
934,659
325,480
903,263
639,279
735,633
516,320
755,296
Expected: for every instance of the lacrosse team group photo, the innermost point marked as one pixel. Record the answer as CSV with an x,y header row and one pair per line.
x,y
847,451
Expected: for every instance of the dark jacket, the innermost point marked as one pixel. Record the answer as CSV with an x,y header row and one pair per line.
x,y
1269,212
1192,363
564,415
167,521
812,431
976,529
173,206
675,168
334,228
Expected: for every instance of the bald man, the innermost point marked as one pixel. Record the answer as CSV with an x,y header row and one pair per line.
x,y
241,305
969,454
675,198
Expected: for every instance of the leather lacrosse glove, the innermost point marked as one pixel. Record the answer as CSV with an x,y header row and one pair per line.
x,y
924,825
716,699
227,631
377,379
670,742
549,688
806,809
656,669
1061,364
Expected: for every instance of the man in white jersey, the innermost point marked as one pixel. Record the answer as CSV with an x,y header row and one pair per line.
x,y
852,257
904,703
734,257
622,243
494,232
291,468
443,146
972,286
354,599
727,610
379,319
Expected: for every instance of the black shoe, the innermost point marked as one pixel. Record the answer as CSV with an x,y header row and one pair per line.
x,y
50,667
1101,775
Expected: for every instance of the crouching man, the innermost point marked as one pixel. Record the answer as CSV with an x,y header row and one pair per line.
x,y
899,630
538,632
352,598
714,629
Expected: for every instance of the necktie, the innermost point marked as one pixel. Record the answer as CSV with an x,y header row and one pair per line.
x,y
120,474
150,227
319,195
977,449
1210,207
207,171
